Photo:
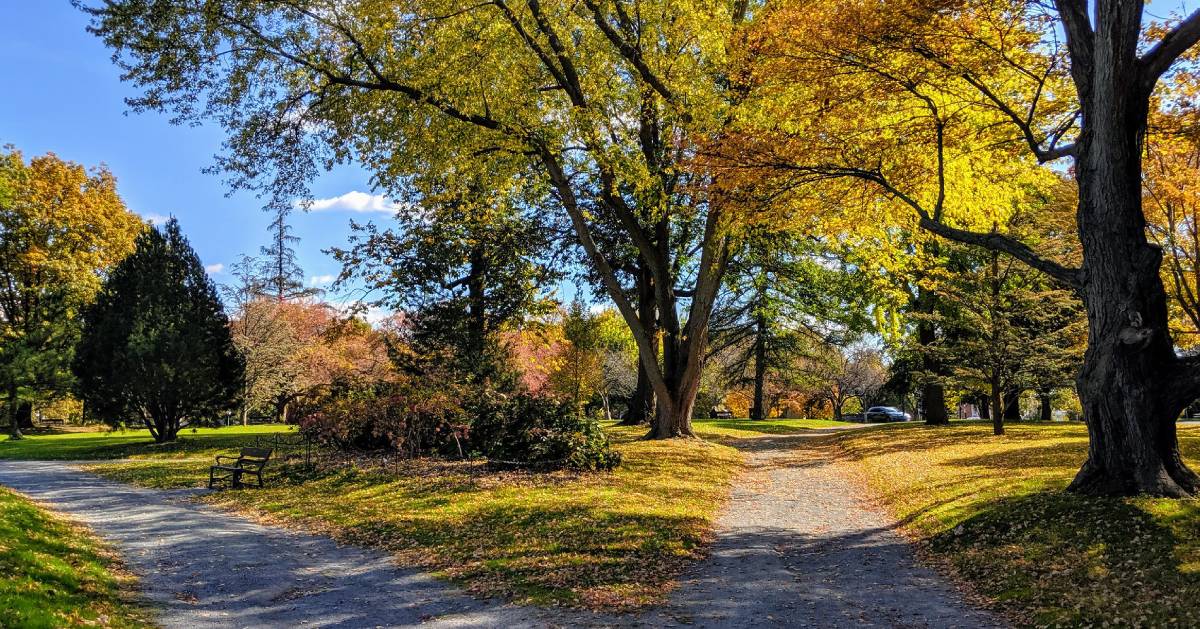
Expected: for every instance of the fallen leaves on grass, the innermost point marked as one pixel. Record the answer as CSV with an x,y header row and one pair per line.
x,y
611,541
993,509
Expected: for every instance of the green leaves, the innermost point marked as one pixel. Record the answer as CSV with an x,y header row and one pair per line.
x,y
61,228
156,345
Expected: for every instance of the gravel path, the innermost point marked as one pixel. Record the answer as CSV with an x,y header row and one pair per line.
x,y
798,548
795,548
206,569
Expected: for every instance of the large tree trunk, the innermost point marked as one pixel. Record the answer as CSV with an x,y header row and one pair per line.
x,y
675,420
984,407
1131,385
1012,406
933,393
758,410
1047,411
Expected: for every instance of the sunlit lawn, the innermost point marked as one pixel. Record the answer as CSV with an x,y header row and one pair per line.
x,y
81,446
994,509
54,574
743,428
607,541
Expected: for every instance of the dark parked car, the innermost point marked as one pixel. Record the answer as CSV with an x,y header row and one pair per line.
x,y
886,414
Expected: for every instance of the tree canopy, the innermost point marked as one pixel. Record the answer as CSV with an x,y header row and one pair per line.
x,y
61,229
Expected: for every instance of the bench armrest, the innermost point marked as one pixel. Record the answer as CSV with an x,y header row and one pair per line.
x,y
226,457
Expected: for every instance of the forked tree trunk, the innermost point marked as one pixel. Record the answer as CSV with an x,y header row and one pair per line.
x,y
1131,386
676,420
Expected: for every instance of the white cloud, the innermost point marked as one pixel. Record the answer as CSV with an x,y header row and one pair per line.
x,y
156,219
374,315
353,201
213,269
320,280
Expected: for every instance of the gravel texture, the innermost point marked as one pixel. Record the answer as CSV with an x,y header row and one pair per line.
x,y
796,547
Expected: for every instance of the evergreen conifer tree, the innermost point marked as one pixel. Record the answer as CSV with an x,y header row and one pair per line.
x,y
156,346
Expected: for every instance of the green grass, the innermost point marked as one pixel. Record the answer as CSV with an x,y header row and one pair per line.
x,y
54,574
604,541
745,428
82,446
993,509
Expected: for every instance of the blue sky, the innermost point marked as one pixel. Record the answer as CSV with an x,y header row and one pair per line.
x,y
62,94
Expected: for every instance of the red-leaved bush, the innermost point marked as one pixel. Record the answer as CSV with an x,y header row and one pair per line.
x,y
406,415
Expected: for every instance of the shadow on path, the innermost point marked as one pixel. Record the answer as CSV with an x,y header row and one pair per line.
x,y
203,568
796,547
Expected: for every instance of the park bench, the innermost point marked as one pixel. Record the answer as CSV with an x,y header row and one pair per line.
x,y
722,414
250,461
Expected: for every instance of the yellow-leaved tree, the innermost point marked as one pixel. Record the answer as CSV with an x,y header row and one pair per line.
x,y
61,227
601,102
931,107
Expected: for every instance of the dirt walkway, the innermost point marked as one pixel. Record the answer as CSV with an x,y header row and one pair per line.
x,y
795,548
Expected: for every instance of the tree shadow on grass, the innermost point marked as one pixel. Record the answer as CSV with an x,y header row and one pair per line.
x,y
1063,560
1061,454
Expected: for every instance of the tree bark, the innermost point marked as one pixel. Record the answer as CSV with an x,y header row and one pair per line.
x,y
758,410
1012,406
1132,385
933,393
984,407
1047,411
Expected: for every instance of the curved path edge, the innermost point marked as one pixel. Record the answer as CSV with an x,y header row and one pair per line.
x,y
797,546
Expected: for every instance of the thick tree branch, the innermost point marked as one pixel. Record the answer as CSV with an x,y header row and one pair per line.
x,y
630,52
1080,43
999,242
1158,59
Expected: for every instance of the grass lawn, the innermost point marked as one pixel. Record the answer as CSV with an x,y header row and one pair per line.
x,y
55,574
993,509
81,446
605,541
744,428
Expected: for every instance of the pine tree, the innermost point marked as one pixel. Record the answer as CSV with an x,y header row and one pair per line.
x,y
1009,329
156,346
279,274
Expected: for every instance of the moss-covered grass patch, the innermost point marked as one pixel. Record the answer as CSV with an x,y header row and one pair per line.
x,y
55,574
993,508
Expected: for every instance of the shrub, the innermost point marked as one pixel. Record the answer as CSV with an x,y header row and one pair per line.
x,y
408,416
540,433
